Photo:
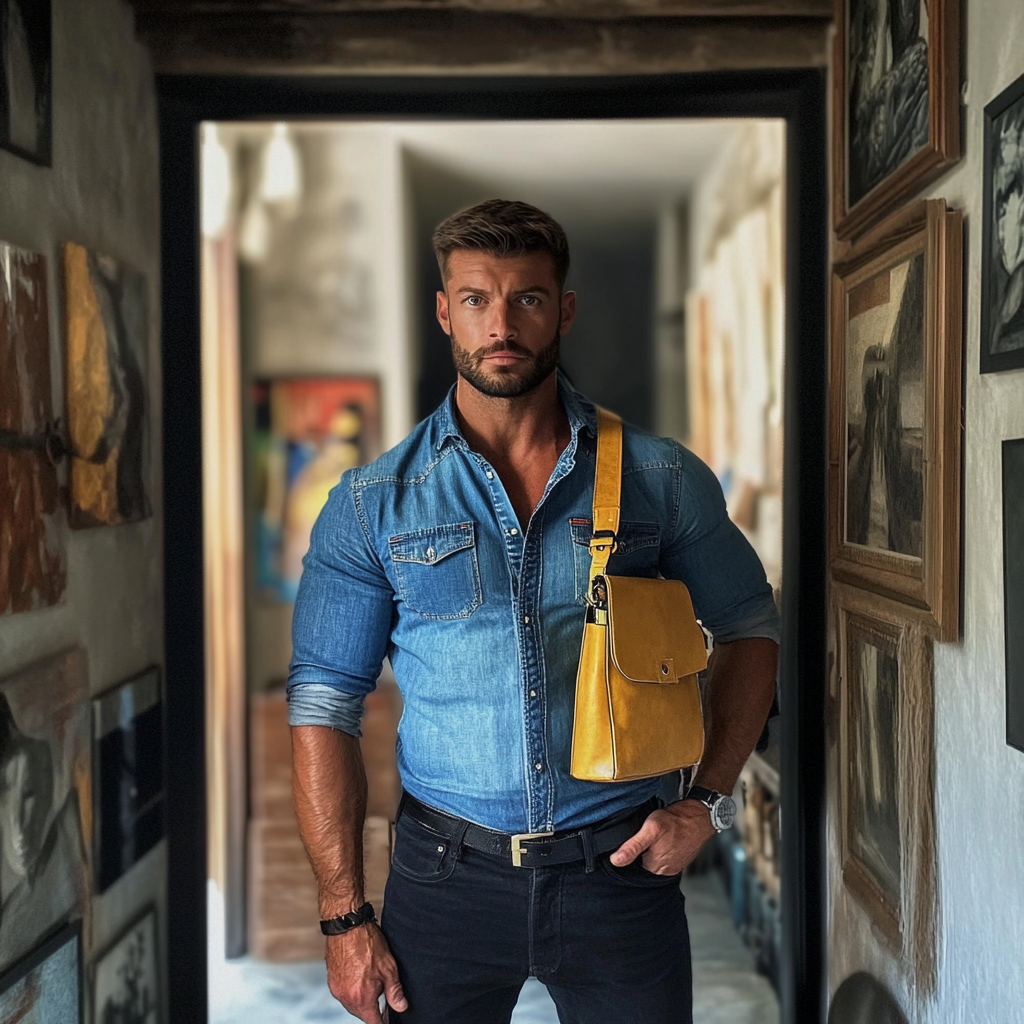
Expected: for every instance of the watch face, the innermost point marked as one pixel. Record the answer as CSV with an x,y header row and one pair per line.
x,y
723,814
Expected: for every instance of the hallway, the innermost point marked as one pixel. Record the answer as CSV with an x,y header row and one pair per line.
x,y
726,990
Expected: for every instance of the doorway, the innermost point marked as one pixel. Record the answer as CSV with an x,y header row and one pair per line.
x,y
797,97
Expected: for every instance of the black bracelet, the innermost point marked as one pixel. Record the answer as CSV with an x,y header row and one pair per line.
x,y
345,923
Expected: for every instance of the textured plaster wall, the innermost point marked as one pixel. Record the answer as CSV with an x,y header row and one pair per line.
x,y
101,191
979,779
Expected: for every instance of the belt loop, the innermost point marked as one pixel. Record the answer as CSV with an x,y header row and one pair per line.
x,y
401,806
587,838
457,836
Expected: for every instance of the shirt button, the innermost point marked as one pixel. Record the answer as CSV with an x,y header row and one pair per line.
x,y
539,766
430,552
490,475
526,619
513,531
533,693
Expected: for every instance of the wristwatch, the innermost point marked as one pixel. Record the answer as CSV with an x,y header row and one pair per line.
x,y
722,808
345,923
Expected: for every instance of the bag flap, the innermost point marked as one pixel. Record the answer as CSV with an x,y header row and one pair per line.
x,y
654,635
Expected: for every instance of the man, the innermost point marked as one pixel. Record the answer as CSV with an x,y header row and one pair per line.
x,y
462,556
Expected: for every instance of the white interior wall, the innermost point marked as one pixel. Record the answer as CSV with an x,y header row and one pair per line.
x,y
979,779
103,192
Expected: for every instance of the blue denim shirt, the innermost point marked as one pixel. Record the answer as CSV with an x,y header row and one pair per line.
x,y
419,557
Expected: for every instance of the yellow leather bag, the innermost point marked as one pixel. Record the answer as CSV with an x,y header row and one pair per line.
x,y
637,711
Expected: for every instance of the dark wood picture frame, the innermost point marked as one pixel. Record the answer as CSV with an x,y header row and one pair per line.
x,y
903,905
32,961
1013,588
929,585
942,148
997,280
121,1013
34,30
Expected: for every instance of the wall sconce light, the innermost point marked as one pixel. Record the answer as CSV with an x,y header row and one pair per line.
x,y
216,183
282,171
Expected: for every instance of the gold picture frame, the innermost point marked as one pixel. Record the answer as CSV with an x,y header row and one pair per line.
x,y
886,776
895,414
896,104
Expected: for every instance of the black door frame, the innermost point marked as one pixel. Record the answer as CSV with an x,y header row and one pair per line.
x,y
798,96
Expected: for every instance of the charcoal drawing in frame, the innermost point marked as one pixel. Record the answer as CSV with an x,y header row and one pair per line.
x,y
126,976
45,800
1013,588
887,787
25,79
1002,233
896,81
894,446
128,776
46,986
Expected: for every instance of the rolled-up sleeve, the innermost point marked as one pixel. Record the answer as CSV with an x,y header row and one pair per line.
x,y
730,593
342,618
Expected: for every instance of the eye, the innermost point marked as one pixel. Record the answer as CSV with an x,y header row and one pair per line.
x,y
473,300
529,300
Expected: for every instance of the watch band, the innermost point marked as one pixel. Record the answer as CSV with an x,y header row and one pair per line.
x,y
708,797
345,923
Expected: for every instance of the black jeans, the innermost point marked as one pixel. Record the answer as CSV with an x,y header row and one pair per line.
x,y
467,929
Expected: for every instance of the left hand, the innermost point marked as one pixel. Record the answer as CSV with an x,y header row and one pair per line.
x,y
669,839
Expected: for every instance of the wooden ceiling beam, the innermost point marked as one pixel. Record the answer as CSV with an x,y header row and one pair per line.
x,y
583,9
467,43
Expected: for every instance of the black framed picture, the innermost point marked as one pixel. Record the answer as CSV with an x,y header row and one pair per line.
x,y
128,775
126,978
25,73
1013,588
46,987
1002,233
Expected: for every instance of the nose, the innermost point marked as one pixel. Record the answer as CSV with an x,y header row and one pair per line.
x,y
501,326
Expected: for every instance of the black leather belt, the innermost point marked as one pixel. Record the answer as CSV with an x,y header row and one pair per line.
x,y
534,849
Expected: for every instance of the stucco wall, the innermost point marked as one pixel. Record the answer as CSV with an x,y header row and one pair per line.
x,y
101,191
979,779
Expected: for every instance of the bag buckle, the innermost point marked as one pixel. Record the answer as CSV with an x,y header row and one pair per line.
x,y
517,845
603,539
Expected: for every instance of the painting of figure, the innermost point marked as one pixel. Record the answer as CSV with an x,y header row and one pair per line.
x,y
33,564
308,432
888,89
25,62
46,987
44,800
1002,313
127,985
107,395
885,410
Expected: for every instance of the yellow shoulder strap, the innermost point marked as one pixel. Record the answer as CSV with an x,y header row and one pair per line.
x,y
607,488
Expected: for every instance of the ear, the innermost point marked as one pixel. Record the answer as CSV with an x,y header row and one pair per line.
x,y
568,312
442,313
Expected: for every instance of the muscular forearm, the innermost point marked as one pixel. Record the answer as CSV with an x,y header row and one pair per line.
x,y
329,784
741,684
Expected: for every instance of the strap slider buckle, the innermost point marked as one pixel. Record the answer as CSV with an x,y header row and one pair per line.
x,y
603,539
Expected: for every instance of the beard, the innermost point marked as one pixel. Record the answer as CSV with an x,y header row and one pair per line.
x,y
506,381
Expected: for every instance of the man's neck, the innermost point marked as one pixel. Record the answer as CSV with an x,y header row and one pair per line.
x,y
506,428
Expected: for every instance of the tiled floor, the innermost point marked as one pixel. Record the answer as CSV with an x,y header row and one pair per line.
x,y
726,988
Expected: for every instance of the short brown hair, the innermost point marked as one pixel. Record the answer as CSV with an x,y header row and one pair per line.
x,y
502,227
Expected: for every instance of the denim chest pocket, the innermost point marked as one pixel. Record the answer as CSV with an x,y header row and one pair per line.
x,y
636,554
436,570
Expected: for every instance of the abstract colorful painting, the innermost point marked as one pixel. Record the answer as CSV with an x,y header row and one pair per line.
x,y
46,987
107,394
45,801
308,432
33,565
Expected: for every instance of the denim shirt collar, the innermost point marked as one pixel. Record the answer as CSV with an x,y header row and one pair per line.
x,y
580,412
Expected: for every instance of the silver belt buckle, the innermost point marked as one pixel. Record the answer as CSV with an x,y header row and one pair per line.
x,y
518,840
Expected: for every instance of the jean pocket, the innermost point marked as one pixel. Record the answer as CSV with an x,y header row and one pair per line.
x,y
421,854
636,552
636,875
436,571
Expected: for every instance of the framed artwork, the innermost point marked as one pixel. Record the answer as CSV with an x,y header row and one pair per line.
x,y
1013,588
34,562
309,430
127,774
25,72
894,435
46,986
1002,233
896,103
107,337
45,801
126,978
887,827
